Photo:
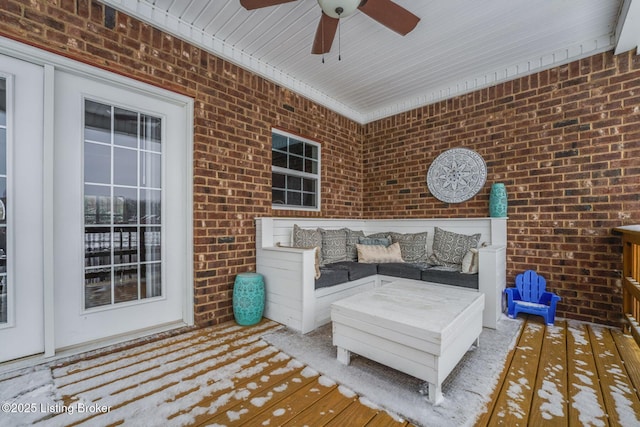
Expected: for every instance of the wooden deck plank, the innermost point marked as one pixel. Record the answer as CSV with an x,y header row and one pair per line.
x,y
586,403
485,416
620,397
549,405
255,404
354,415
513,403
630,354
324,410
286,409
226,394
383,419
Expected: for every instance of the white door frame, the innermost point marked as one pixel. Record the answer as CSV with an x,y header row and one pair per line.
x,y
24,325
77,324
52,62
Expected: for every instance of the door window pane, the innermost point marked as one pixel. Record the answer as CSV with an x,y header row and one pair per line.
x,y
97,204
125,205
150,248
122,197
150,206
126,128
150,170
150,133
150,280
124,166
97,159
97,246
3,150
97,287
97,122
125,245
126,283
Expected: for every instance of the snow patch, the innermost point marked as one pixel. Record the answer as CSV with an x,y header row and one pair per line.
x,y
307,372
235,416
326,381
585,401
346,392
260,401
554,402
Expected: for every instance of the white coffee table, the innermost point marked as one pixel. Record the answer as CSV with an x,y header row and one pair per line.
x,y
418,328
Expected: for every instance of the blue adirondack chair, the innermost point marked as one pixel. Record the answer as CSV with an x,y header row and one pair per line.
x,y
530,296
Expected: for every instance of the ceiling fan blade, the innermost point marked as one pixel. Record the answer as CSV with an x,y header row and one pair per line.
x,y
257,4
391,15
324,34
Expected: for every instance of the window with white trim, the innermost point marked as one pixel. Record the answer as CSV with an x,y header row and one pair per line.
x,y
295,171
122,205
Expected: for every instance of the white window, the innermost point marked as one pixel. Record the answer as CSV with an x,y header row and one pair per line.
x,y
295,171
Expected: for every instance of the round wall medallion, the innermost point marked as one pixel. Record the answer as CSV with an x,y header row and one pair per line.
x,y
456,175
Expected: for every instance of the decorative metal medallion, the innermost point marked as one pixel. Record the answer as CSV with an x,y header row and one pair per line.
x,y
456,175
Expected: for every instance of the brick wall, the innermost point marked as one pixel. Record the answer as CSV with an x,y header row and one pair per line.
x,y
234,113
566,143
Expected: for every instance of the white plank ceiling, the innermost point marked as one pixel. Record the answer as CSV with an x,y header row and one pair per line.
x,y
457,47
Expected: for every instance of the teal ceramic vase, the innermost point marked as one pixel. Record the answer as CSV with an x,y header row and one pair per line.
x,y
248,298
498,201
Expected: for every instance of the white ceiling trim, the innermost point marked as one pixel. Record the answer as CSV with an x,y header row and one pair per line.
x,y
159,18
628,29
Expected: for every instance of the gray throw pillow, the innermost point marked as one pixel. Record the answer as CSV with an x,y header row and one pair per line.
x,y
449,248
412,245
353,238
306,238
334,245
375,241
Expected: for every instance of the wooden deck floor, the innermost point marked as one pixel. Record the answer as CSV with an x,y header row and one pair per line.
x,y
570,374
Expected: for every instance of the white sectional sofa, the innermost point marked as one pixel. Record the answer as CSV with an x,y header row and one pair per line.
x,y
291,295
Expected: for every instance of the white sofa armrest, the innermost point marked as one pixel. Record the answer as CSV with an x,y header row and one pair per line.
x,y
491,281
289,275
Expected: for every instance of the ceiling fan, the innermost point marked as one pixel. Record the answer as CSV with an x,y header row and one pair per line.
x,y
386,12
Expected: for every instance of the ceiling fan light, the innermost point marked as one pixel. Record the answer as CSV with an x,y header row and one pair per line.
x,y
329,7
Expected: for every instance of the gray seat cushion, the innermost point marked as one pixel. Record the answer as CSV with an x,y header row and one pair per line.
x,y
345,271
401,269
356,270
450,278
331,276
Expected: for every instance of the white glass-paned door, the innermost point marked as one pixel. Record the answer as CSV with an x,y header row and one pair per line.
x,y
21,207
119,174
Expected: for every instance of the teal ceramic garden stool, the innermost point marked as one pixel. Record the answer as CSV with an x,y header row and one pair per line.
x,y
248,298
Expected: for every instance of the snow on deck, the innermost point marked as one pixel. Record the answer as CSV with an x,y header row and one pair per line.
x,y
571,373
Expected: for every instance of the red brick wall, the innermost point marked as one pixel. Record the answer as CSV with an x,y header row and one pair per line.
x,y
566,142
234,113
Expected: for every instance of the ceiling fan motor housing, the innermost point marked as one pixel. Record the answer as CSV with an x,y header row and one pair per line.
x,y
339,8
